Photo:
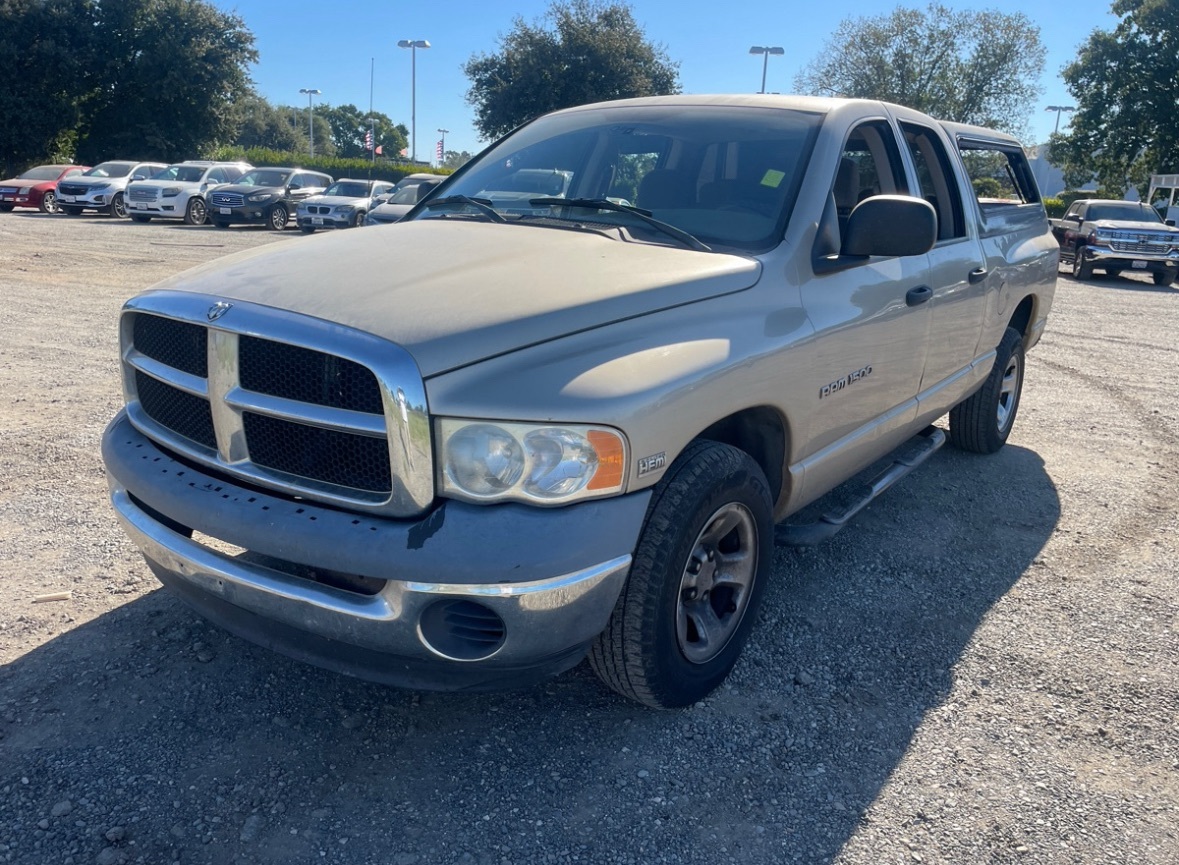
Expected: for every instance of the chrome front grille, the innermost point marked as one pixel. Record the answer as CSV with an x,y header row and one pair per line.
x,y
227,199
1152,242
140,194
7,190
294,403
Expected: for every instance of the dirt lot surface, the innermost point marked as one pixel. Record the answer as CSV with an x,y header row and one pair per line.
x,y
983,668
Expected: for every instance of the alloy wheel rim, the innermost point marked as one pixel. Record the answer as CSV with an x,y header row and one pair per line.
x,y
275,219
50,203
119,206
716,583
199,213
1008,393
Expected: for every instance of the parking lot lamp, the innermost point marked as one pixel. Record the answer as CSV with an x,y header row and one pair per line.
x,y
413,45
1058,109
310,118
765,51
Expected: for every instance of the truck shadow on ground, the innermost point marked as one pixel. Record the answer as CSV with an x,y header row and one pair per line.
x,y
211,750
1126,283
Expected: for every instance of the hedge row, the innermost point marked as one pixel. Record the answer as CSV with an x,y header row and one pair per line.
x,y
381,169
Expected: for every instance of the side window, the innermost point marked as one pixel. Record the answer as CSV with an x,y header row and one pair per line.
x,y
999,173
73,172
216,175
939,184
870,164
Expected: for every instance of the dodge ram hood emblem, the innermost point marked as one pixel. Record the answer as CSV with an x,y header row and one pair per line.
x,y
218,309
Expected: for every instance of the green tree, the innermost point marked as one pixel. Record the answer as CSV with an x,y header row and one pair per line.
x,y
970,67
43,56
1126,87
349,124
455,159
582,51
163,78
260,124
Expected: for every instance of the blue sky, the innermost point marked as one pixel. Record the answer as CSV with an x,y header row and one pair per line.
x,y
332,46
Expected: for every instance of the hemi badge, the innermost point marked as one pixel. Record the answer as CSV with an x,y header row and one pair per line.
x,y
652,463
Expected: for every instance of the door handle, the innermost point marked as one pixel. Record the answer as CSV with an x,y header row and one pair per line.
x,y
918,295
977,275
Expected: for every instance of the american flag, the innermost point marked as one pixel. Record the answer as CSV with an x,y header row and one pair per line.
x,y
368,139
438,155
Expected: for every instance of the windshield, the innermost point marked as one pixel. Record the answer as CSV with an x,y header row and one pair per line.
x,y
44,172
405,194
728,175
348,189
265,177
1127,211
182,173
110,169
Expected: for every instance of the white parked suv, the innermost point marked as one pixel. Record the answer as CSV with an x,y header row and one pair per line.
x,y
178,192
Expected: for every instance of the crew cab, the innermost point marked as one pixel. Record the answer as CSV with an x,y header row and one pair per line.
x,y
36,187
103,187
1116,236
264,196
470,449
180,190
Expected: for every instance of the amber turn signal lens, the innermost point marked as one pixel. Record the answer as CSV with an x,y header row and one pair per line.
x,y
611,456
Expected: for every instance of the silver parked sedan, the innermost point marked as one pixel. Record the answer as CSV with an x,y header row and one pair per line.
x,y
341,205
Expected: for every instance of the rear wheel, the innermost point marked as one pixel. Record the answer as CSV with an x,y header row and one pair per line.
x,y
6,208
220,223
49,202
1163,277
71,210
1113,272
1082,269
276,219
982,422
699,571
196,213
136,217
307,229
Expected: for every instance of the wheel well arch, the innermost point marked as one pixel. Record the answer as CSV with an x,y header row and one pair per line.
x,y
762,432
1022,319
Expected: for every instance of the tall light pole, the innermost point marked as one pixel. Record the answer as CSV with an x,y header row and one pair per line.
x,y
1058,109
442,146
765,51
310,118
413,45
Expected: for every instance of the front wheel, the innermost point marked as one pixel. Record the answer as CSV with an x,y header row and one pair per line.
x,y
118,208
982,422
1163,277
698,574
1082,269
276,219
49,202
196,213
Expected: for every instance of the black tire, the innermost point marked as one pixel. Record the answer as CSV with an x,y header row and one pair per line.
x,y
1163,277
7,208
49,202
118,207
357,219
71,210
1113,272
220,223
197,213
276,218
1082,269
982,422
139,217
307,229
654,648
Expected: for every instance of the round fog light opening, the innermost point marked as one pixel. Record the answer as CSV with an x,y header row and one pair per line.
x,y
461,630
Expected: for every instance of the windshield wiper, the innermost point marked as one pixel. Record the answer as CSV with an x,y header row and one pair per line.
x,y
645,215
483,205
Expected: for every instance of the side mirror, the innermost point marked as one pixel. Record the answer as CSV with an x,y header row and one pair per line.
x,y
891,225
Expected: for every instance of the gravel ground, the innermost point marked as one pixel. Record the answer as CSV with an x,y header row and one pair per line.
x,y
982,668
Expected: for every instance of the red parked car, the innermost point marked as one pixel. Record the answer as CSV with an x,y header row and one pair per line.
x,y
37,187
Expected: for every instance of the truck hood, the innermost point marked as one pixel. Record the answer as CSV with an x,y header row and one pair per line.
x,y
453,292
1127,225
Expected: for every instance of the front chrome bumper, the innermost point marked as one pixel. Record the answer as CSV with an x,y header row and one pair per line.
x,y
549,577
1153,260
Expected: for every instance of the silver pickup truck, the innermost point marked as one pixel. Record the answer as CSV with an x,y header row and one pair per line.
x,y
468,449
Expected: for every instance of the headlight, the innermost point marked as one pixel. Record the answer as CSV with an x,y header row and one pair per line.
x,y
171,192
24,190
97,186
541,464
260,196
345,208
